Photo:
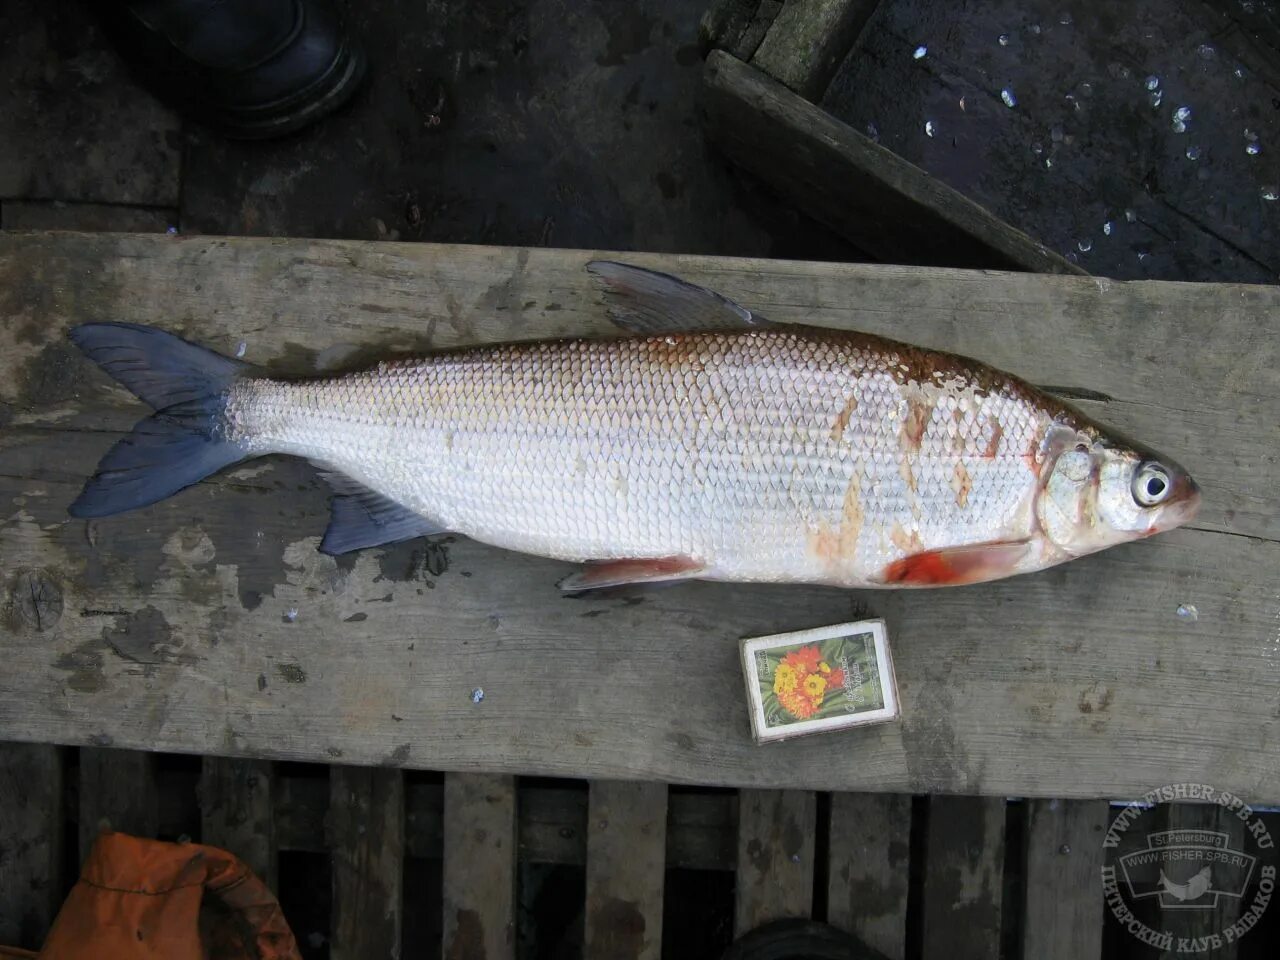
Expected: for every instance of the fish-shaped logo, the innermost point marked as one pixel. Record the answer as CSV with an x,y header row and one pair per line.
x,y
1193,889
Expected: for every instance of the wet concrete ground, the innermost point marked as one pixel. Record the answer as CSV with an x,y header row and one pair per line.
x,y
1090,158
544,122
563,123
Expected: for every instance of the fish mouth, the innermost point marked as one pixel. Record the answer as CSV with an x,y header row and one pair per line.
x,y
1182,506
1186,498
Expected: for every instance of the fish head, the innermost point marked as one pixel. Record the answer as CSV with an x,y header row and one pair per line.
x,y
1097,491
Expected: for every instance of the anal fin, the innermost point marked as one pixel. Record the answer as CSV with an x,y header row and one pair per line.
x,y
954,566
361,518
616,573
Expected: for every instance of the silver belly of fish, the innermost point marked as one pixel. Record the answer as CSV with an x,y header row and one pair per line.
x,y
768,456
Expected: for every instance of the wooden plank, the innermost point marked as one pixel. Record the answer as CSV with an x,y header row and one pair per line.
x,y
776,834
237,811
1062,914
626,858
737,26
808,39
868,868
479,867
31,820
887,206
1205,924
1075,689
117,792
1192,877
366,835
963,876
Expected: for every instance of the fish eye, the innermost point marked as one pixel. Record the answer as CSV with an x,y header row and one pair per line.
x,y
1151,484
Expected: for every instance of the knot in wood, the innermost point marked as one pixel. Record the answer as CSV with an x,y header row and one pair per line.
x,y
37,598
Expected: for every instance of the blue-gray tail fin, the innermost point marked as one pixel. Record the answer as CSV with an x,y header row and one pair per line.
x,y
185,441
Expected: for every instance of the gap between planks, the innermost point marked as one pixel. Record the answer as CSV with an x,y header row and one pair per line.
x,y
117,792
31,831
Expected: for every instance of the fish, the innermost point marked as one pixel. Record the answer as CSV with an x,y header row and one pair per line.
x,y
703,442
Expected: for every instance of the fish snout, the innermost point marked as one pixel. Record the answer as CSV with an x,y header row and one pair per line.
x,y
1184,502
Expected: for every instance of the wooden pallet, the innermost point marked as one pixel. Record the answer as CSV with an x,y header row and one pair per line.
x,y
625,833
974,876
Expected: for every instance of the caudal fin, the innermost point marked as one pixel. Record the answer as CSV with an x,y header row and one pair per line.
x,y
185,441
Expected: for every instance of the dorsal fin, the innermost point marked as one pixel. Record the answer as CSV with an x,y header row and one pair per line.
x,y
651,303
361,517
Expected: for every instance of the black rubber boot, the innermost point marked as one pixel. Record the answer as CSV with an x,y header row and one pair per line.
x,y
251,69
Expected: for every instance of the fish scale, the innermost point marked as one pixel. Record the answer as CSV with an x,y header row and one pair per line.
x,y
733,449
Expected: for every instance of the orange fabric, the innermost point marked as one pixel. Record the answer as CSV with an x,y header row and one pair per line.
x,y
141,900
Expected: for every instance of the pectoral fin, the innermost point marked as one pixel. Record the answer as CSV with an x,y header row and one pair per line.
x,y
616,573
953,566
647,302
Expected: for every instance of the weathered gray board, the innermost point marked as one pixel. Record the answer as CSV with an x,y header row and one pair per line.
x,y
797,42
169,629
1062,918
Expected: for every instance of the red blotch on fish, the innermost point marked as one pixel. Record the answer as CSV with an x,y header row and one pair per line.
x,y
930,567
956,565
